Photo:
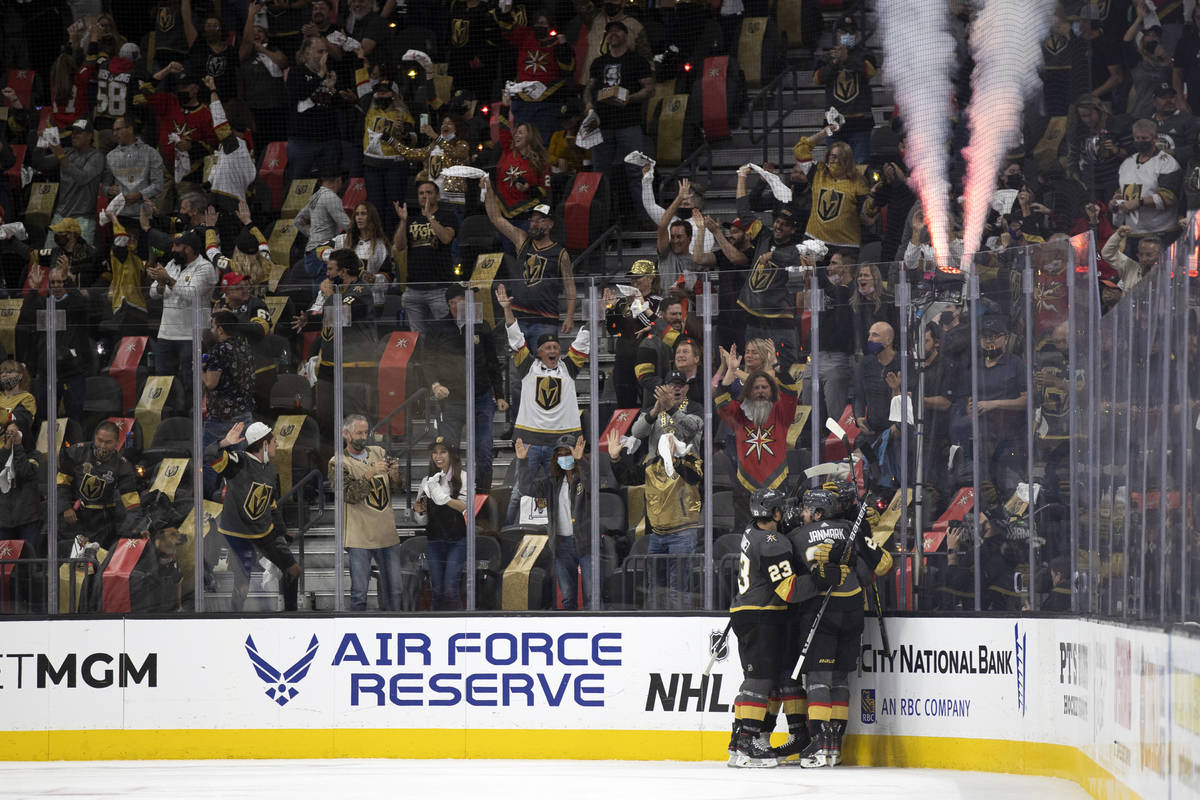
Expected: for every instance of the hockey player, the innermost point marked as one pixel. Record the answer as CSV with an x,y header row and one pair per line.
x,y
251,520
765,586
820,543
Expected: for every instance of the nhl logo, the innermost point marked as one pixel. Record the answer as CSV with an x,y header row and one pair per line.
x,y
718,644
868,706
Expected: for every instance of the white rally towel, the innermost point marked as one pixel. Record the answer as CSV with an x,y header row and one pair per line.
x,y
420,57
782,192
463,171
534,89
589,132
639,159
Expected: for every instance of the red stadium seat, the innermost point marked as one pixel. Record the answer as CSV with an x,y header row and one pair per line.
x,y
14,172
270,172
963,502
21,81
356,192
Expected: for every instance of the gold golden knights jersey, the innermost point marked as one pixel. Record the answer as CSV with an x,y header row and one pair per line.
x,y
835,205
370,522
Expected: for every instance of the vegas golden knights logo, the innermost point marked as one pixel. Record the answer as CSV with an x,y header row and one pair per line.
x,y
258,500
549,392
92,488
286,431
157,393
829,204
520,16
535,270
172,471
460,32
379,498
1055,44
1131,191
327,333
763,275
166,18
845,87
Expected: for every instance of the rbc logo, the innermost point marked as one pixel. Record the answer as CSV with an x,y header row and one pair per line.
x,y
868,706
281,685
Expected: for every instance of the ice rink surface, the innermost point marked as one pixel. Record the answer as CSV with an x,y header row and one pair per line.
x,y
499,780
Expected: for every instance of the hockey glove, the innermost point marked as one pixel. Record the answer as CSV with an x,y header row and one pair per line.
x,y
832,574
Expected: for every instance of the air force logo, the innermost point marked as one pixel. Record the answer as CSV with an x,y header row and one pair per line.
x,y
281,685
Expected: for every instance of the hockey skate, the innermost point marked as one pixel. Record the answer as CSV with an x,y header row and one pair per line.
x,y
789,752
751,753
834,745
819,753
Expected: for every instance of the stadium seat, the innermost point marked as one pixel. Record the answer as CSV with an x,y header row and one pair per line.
x,y
21,81
291,393
172,439
271,171
356,193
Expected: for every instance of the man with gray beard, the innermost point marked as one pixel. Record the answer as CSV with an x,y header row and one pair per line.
x,y
760,419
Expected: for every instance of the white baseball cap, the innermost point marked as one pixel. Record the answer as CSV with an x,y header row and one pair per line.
x,y
256,433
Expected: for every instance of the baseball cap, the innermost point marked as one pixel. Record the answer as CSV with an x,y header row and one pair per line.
x,y
189,239
442,441
256,433
786,214
544,338
1164,90
566,440
675,376
232,279
67,225
456,290
993,324
643,266
81,126
131,51
740,225
616,24
542,209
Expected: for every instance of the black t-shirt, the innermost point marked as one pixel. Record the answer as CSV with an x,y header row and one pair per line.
x,y
628,71
1187,60
222,66
429,260
317,121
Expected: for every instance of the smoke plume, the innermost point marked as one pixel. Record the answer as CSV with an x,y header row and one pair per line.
x,y
1006,41
919,66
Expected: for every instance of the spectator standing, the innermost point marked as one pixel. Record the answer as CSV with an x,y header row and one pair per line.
x,y
366,26
728,260
133,169
252,314
784,227
474,38
445,149
890,192
251,520
840,199
22,510
869,303
768,303
440,505
322,218
312,120
846,72
568,503
80,170
625,318
368,241
544,57
16,401
1150,183
228,375
1098,144
385,170
620,119
96,487
71,254
674,238
450,385
262,65
284,21
549,407
523,172
1176,128
426,239
1151,63
369,477
187,279
598,43
875,377
656,348
76,354
212,53
836,334
1131,271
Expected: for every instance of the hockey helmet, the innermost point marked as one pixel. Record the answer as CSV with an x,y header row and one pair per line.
x,y
765,502
824,501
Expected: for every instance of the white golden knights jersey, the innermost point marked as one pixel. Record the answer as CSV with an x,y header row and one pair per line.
x,y
549,405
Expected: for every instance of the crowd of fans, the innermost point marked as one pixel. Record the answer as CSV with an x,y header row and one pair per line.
x,y
161,139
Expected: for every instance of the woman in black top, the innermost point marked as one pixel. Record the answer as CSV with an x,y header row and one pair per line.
x,y
440,504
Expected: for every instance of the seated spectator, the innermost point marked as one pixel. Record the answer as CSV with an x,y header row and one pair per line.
x,y
568,501
620,119
369,477
14,393
228,375
261,66
251,520
322,218
96,488
426,240
440,506
252,314
80,170
549,408
186,281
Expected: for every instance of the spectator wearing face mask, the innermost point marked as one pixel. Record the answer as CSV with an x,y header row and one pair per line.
x,y
262,66
186,279
385,169
76,355
21,506
1150,183
543,56
96,487
133,170
846,72
1150,63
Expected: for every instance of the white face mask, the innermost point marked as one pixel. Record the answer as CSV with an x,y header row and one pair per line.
x,y
448,137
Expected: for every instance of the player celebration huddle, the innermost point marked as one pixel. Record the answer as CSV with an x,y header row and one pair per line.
x,y
805,579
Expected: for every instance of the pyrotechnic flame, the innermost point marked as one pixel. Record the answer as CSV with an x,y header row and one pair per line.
x,y
1006,41
919,66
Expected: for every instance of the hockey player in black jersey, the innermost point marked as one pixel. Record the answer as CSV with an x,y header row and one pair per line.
x,y
765,583
820,544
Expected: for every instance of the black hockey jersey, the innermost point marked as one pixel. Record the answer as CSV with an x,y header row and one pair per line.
x,y
251,507
821,545
96,484
536,294
766,572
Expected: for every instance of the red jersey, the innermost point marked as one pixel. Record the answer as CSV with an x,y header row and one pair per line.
x,y
514,168
538,62
762,449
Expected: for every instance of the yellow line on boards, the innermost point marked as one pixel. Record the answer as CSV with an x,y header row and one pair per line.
x,y
986,755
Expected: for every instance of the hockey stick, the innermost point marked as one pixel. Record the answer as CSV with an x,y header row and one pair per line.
x,y
845,561
716,649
